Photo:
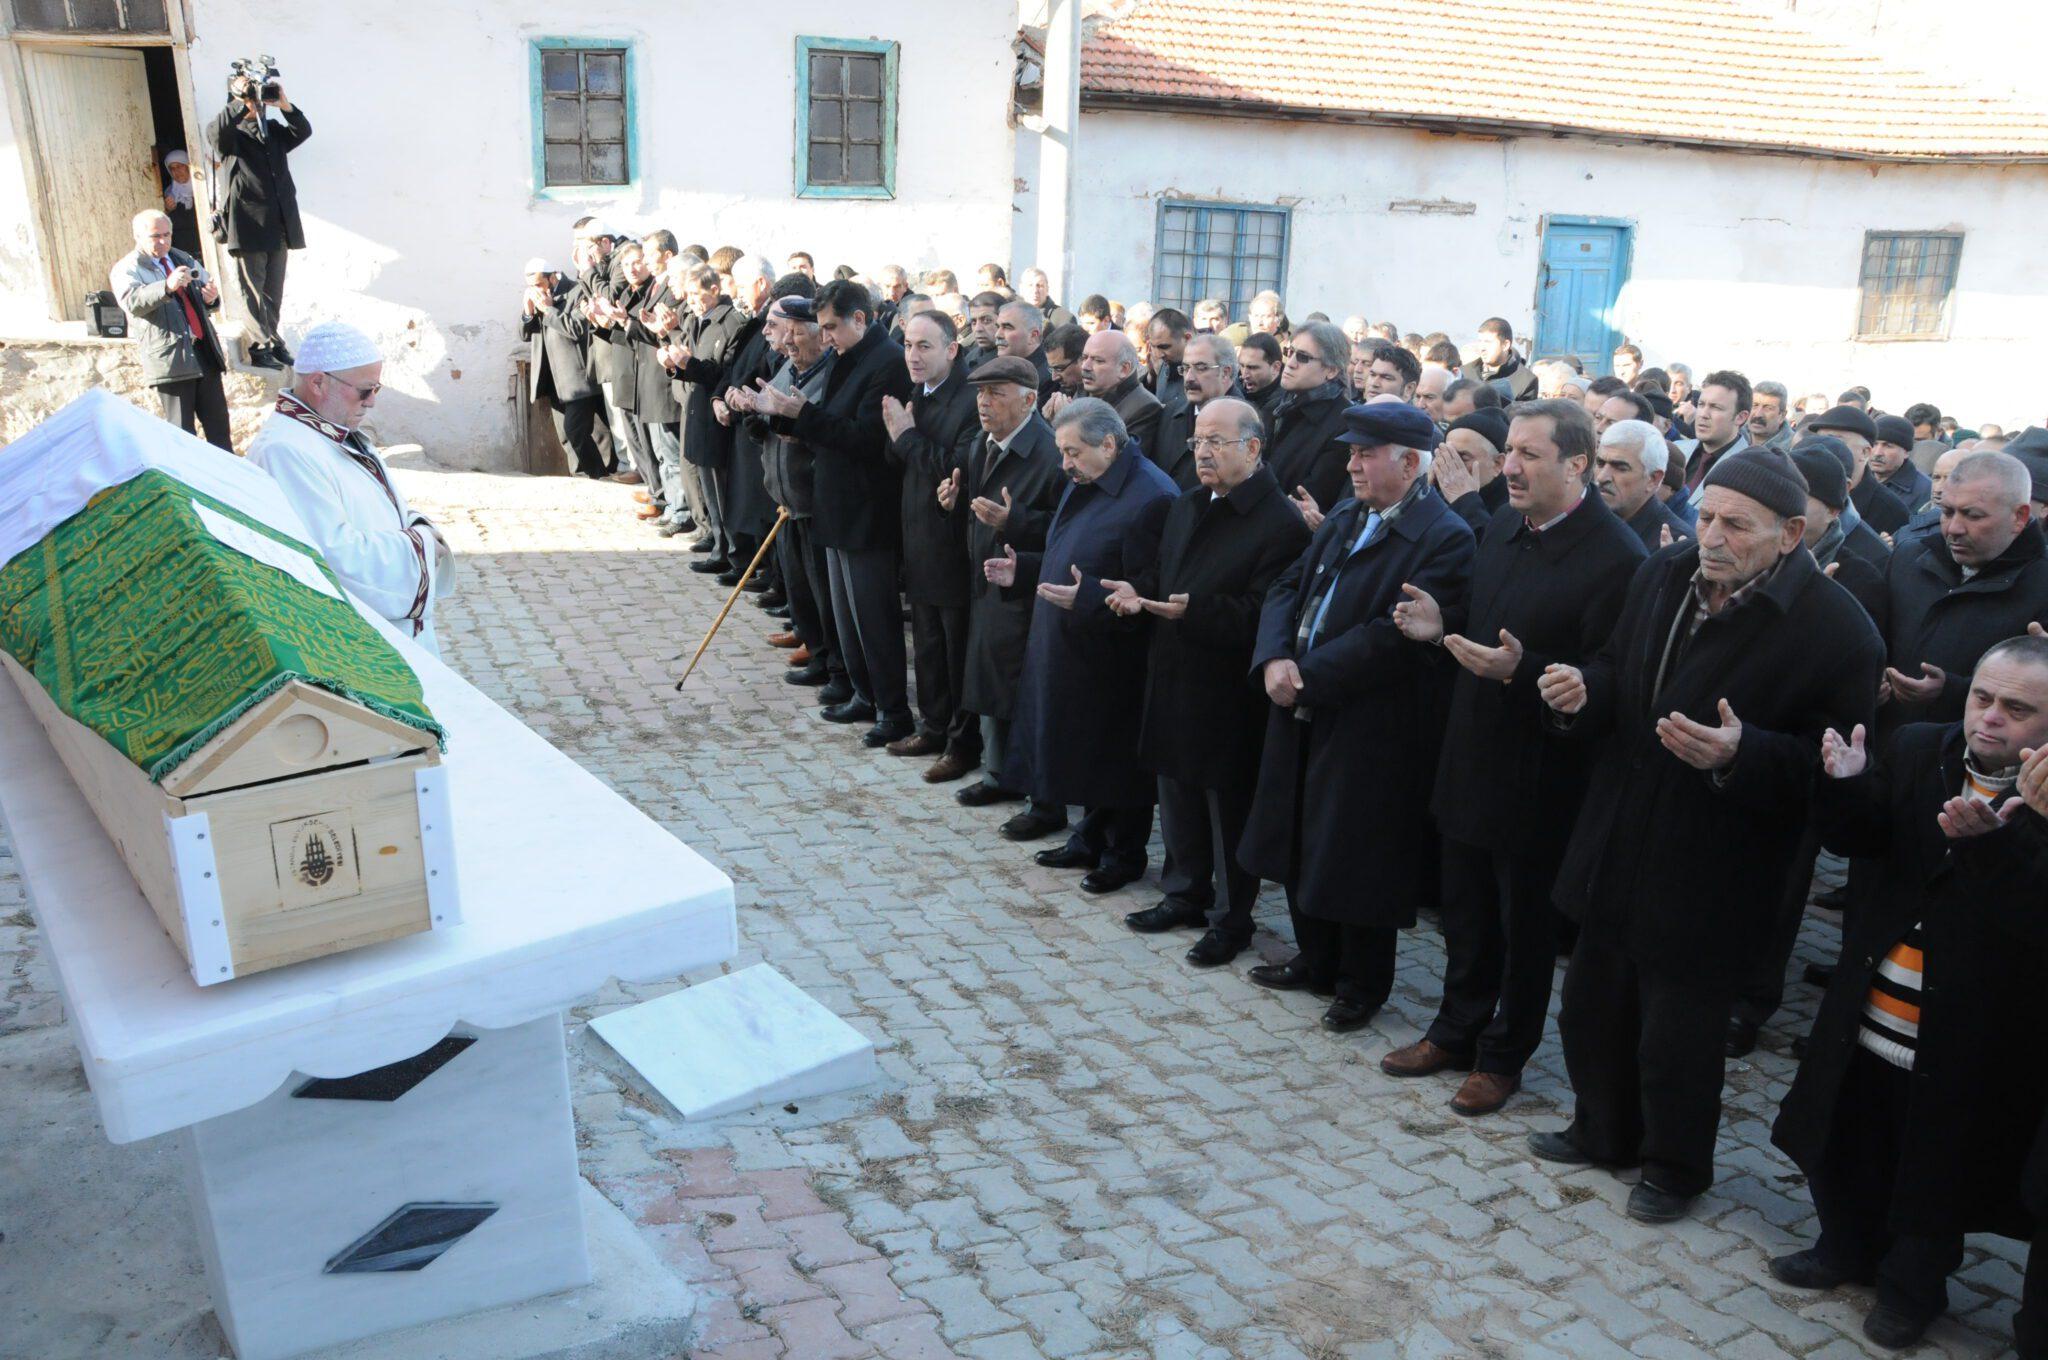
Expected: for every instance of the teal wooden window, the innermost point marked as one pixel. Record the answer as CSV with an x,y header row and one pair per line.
x,y
1218,250
845,118
583,115
1907,281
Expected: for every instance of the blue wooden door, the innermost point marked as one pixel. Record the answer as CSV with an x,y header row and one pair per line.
x,y
1584,266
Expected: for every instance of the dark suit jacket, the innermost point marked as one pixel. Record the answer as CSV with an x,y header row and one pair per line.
x,y
713,339
935,539
857,489
556,336
259,203
997,625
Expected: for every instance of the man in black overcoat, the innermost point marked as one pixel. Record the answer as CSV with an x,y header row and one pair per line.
x,y
1222,546
706,338
1307,452
1341,815
1732,655
924,439
259,204
556,371
748,357
1916,1108
1547,585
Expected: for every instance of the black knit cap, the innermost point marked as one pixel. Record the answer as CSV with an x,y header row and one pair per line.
x,y
1825,480
1844,418
1766,476
1489,423
1832,447
1893,430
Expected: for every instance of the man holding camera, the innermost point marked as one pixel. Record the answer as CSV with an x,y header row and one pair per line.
x,y
258,220
167,294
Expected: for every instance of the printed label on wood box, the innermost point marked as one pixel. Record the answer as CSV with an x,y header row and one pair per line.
x,y
316,860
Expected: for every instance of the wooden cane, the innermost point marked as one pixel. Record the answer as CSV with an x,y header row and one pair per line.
x,y
745,577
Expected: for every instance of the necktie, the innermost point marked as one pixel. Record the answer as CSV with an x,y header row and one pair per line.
x,y
989,453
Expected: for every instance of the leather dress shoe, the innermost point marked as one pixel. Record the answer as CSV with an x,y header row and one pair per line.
x,y
1068,856
1558,1145
806,675
773,599
1423,1059
917,744
1741,1041
1810,1270
948,768
1030,826
284,355
1894,1327
835,692
709,566
1216,947
642,498
886,731
1110,877
985,794
1291,976
854,710
1649,1203
1834,899
729,577
1346,1015
261,357
801,656
1167,915
626,477
755,586
1485,1092
703,543
776,611
784,639
1818,975
649,511
684,524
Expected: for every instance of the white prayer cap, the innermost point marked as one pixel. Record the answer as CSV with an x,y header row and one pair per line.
x,y
333,346
176,158
598,226
537,265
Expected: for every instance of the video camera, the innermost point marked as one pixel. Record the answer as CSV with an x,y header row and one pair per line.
x,y
260,73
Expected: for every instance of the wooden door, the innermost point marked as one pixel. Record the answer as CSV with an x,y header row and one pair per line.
x,y
1584,266
96,138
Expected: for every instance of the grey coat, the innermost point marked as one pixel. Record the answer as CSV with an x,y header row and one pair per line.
x,y
164,342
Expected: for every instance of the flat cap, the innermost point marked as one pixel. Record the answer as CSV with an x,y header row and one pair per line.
x,y
2036,465
1825,480
1488,422
1389,422
1893,430
1766,476
1005,368
1845,418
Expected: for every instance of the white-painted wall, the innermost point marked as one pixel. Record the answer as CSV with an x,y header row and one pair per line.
x,y
1743,261
417,186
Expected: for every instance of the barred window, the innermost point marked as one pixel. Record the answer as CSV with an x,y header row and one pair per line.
x,y
846,125
1218,250
1908,279
91,16
585,114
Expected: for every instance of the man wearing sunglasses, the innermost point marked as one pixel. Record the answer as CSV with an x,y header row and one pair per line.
x,y
388,554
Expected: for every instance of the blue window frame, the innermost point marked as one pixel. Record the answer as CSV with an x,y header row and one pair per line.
x,y
1222,250
1907,280
585,133
845,118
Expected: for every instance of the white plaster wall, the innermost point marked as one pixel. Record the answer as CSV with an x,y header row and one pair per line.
x,y
1740,261
417,185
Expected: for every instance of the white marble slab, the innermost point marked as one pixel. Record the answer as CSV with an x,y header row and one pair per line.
x,y
748,1038
565,886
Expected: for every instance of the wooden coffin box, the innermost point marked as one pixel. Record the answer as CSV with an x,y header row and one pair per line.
x,y
309,826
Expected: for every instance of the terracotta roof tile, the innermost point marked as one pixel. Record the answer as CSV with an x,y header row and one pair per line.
x,y
1712,72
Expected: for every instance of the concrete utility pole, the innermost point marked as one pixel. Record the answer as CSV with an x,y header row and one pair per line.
x,y
1062,114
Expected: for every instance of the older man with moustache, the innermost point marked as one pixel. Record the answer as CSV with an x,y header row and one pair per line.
x,y
1020,333
1225,541
1732,655
1109,372
168,294
1547,585
1429,391
1628,472
1208,373
1467,475
1341,817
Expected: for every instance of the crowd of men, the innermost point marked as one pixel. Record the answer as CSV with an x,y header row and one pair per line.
x,y
1587,666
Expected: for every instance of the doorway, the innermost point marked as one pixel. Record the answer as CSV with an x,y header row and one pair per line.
x,y
1584,265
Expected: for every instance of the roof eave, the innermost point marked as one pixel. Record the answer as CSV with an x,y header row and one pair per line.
x,y
1140,102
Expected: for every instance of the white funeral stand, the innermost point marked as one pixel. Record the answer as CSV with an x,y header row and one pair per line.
x,y
434,1172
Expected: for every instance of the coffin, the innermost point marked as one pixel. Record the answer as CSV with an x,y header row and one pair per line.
x,y
259,755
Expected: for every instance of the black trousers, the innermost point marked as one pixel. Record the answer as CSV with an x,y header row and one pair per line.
x,y
199,402
1500,949
1117,837
938,641
1196,825
576,425
1852,1193
1358,960
261,276
2030,1325
1644,1053
1764,992
868,611
810,598
995,747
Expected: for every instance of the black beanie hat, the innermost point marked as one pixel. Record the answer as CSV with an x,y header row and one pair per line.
x,y
1846,418
1894,430
1825,480
1831,446
1766,476
1489,423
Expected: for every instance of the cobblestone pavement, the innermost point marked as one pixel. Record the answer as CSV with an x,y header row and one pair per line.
x,y
1082,1147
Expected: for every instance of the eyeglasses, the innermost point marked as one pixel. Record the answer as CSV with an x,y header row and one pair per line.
x,y
1209,443
362,393
1204,368
1307,356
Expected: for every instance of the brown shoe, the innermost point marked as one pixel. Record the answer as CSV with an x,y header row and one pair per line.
x,y
648,512
916,744
782,639
1485,1092
642,498
801,656
626,477
1421,1059
948,768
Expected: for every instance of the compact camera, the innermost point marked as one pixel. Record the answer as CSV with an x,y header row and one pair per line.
x,y
260,73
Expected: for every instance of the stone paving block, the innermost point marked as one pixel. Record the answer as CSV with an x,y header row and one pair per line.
x,y
813,1331
1058,1323
866,1294
766,1277
964,1311
909,1338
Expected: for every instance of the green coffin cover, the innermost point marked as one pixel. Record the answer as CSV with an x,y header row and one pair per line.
x,y
156,635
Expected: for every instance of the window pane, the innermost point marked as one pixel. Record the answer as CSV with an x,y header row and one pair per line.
x,y
560,73
95,14
607,163
864,76
562,120
604,72
41,14
827,123
605,120
864,163
825,74
147,16
564,163
828,163
864,121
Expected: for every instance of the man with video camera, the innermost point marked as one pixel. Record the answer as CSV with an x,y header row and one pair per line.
x,y
258,219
